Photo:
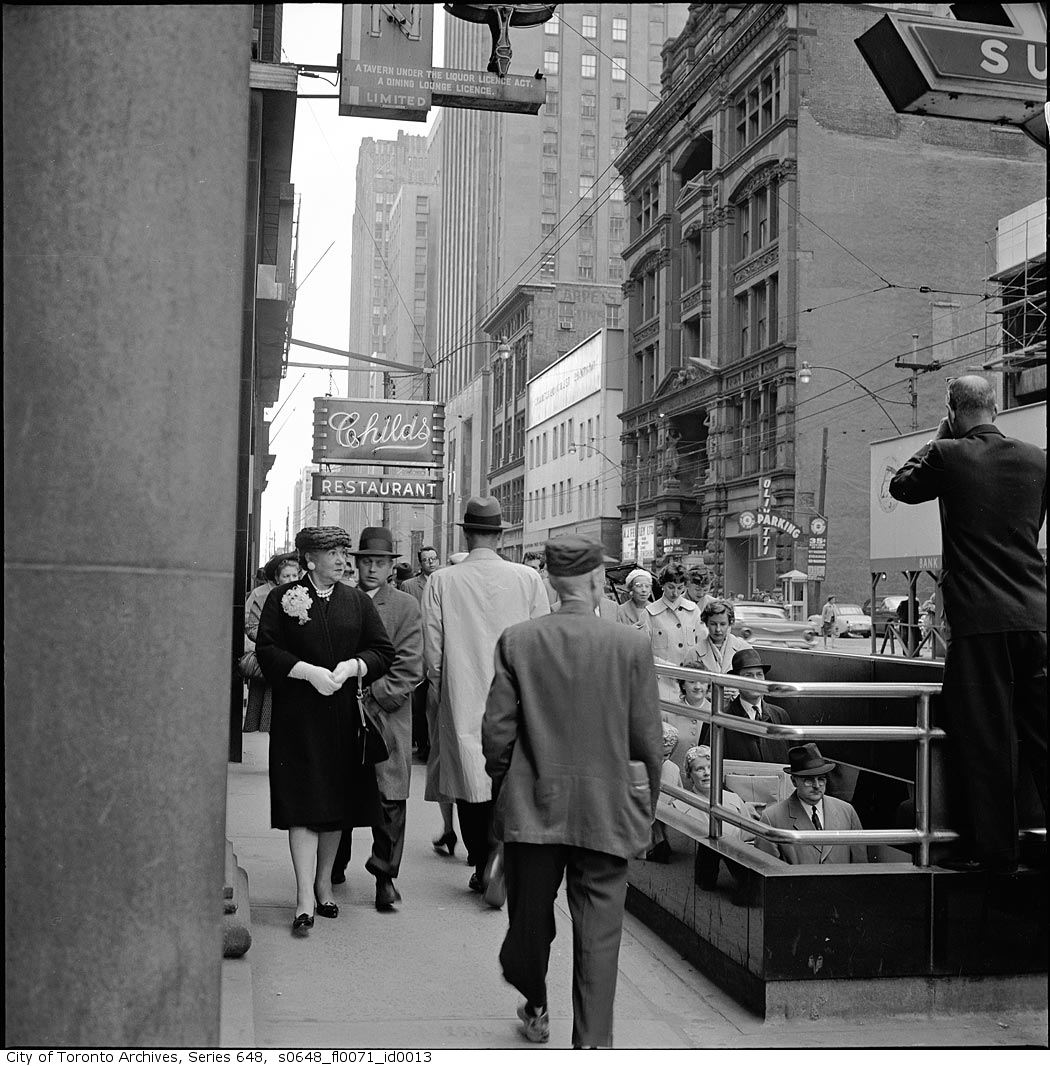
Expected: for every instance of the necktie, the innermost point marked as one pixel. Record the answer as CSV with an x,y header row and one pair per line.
x,y
816,820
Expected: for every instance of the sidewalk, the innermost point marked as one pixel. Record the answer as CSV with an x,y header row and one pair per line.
x,y
427,976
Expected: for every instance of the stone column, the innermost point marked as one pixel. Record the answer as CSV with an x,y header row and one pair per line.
x,y
125,142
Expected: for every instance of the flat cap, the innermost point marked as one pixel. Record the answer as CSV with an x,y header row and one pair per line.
x,y
321,538
568,556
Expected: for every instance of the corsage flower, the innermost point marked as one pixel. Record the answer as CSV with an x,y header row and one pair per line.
x,y
296,603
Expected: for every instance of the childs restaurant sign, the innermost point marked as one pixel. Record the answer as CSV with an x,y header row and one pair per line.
x,y
399,489
378,432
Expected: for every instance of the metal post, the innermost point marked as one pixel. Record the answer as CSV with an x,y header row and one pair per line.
x,y
922,782
714,828
637,494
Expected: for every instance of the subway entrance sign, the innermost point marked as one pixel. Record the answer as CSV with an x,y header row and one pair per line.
x,y
964,70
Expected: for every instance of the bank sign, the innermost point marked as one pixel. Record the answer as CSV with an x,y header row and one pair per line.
x,y
378,432
964,70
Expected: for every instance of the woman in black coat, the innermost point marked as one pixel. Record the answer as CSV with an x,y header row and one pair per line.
x,y
318,639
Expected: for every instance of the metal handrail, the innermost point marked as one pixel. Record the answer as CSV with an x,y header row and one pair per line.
x,y
922,732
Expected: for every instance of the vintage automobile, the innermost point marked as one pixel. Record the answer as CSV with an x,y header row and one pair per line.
x,y
885,611
768,623
850,621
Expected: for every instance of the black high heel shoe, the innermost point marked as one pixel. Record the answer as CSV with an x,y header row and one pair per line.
x,y
325,910
302,925
446,843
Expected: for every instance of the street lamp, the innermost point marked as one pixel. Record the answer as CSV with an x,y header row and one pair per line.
x,y
805,375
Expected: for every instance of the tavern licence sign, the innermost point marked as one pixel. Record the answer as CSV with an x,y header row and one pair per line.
x,y
378,432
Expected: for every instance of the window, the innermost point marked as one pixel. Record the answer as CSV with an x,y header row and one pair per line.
x,y
550,142
588,105
422,205
587,146
421,229
619,29
615,268
619,68
612,316
544,442
497,447
694,252
551,103
758,219
758,106
565,314
548,220
497,386
589,26
616,228
619,103
543,503
587,226
756,311
519,436
550,183
649,284
585,267
616,192
644,372
588,65
579,502
646,207
586,186
550,62
616,145
547,266
552,25
568,494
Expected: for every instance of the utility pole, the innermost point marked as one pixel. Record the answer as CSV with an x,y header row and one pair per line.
x,y
916,369
822,492
637,496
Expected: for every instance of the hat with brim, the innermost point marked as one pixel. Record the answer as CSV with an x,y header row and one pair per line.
x,y
483,515
747,658
806,761
375,540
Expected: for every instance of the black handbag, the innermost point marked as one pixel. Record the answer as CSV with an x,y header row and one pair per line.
x,y
371,744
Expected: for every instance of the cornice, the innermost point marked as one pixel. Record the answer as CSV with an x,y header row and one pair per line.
x,y
761,261
664,116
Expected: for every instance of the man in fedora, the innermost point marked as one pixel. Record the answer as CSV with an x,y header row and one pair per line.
x,y
465,609
748,663
808,808
390,700
575,754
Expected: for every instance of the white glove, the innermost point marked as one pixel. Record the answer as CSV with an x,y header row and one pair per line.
x,y
323,680
349,668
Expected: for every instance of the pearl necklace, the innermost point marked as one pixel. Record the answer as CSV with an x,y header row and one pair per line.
x,y
322,594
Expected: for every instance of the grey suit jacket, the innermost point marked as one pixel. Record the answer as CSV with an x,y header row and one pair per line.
x,y
791,814
391,694
574,752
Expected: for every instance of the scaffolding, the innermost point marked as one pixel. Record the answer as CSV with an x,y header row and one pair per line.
x,y
1017,324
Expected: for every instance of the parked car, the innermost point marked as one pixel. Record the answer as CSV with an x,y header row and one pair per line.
x,y
769,623
850,621
885,611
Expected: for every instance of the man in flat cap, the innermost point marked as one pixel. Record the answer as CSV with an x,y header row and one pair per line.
x,y
575,754
390,700
465,608
808,808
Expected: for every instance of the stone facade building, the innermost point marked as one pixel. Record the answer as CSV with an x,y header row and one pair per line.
x,y
781,212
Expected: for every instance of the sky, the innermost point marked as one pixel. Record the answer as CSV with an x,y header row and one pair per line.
x,y
324,162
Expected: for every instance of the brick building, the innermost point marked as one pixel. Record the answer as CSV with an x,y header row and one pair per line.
x,y
781,212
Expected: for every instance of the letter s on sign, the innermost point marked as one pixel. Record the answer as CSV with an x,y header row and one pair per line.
x,y
994,52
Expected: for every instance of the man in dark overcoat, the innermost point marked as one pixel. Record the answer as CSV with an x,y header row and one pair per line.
x,y
748,663
390,701
991,493
574,754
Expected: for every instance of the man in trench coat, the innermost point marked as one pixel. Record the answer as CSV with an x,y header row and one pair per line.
x,y
390,701
574,745
465,609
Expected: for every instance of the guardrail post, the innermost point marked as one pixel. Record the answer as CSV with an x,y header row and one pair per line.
x,y
714,827
922,782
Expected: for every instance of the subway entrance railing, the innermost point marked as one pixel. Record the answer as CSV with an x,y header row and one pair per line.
x,y
918,839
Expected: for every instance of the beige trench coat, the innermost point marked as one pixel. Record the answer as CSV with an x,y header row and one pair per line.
x,y
465,609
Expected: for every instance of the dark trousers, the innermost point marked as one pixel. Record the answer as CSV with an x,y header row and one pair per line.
x,y
596,885
388,841
475,821
994,712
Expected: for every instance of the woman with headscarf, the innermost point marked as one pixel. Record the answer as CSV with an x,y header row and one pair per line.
x,y
318,641
639,585
282,569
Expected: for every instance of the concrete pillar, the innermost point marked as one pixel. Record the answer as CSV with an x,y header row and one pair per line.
x,y
125,140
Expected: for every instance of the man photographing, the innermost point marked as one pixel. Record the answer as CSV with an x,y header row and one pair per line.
x,y
991,492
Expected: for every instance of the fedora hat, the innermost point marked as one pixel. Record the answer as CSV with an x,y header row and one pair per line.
x,y
745,659
806,761
483,515
375,540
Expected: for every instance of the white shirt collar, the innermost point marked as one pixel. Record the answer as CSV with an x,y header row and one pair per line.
x,y
372,592
808,808
752,709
